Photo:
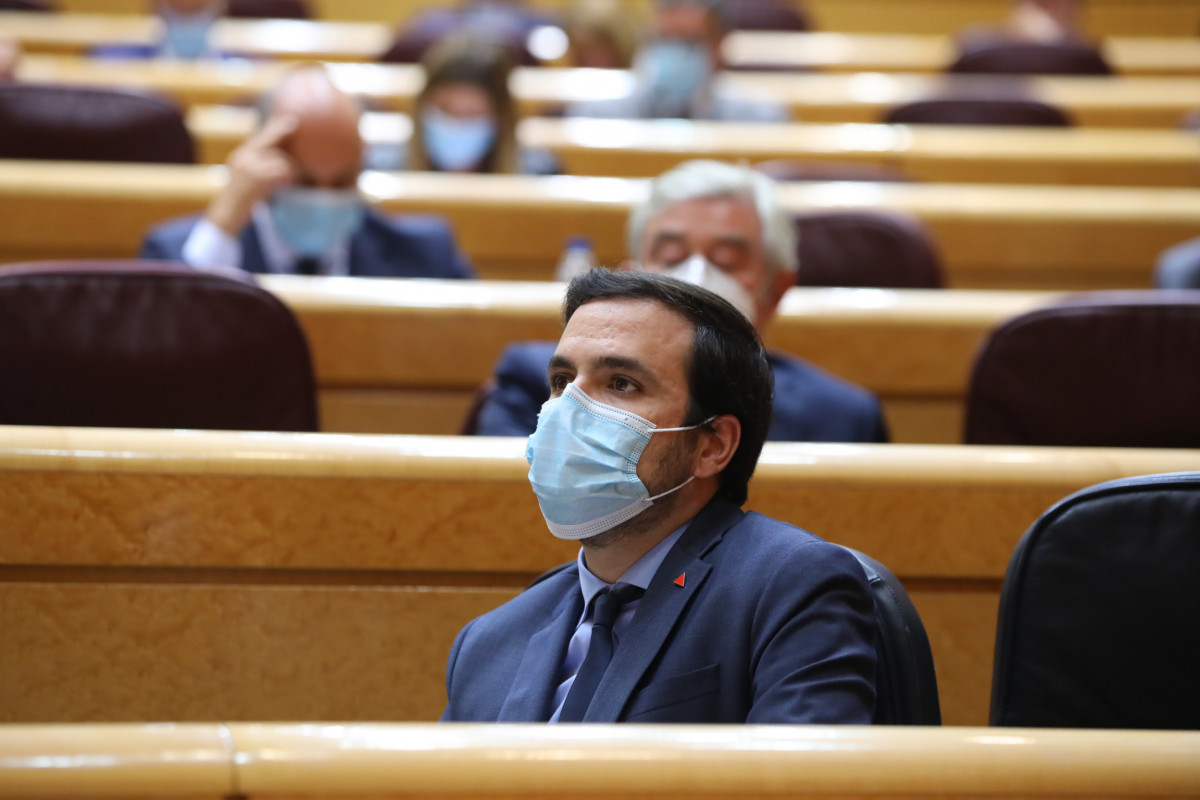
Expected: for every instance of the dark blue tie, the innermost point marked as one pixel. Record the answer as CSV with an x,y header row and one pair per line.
x,y
606,607
308,266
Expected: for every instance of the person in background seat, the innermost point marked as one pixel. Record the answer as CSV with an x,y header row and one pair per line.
x,y
721,227
675,72
185,33
465,118
291,204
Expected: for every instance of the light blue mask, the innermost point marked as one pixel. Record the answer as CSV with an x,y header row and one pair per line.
x,y
674,70
186,35
453,144
312,222
583,461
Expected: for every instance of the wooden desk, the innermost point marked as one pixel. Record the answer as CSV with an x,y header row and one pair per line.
x,y
369,385
866,52
75,34
506,761
1132,102
939,154
258,576
1104,17
1002,237
116,761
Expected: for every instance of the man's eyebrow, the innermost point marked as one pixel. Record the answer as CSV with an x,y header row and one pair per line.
x,y
558,362
625,364
668,233
620,363
734,239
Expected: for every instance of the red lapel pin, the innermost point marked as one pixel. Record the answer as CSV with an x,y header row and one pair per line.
x,y
679,581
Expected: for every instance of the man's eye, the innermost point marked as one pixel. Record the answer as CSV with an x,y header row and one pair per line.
x,y
558,383
623,384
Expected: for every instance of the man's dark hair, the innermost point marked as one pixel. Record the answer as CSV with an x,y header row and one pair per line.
x,y
728,372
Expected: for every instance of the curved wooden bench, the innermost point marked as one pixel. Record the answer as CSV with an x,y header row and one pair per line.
x,y
510,761
995,237
190,576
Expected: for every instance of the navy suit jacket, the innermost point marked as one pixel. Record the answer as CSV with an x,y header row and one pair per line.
x,y
771,625
410,246
810,405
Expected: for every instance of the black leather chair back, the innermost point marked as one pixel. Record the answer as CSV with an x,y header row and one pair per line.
x,y
1100,369
87,123
426,28
905,681
790,169
26,5
470,423
1099,622
866,249
268,9
981,111
767,15
149,345
1028,58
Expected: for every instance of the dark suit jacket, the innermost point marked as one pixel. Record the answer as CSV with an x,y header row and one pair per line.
x,y
408,246
810,405
772,625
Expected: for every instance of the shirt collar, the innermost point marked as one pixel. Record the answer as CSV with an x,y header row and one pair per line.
x,y
639,574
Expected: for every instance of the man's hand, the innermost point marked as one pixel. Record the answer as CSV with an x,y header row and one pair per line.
x,y
10,54
256,168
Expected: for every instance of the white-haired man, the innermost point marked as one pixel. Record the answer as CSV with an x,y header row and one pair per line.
x,y
718,226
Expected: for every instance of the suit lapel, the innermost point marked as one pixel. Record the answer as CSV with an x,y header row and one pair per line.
x,y
660,609
253,259
372,252
533,688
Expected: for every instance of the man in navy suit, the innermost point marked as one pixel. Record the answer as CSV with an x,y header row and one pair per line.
x,y
680,607
719,226
291,204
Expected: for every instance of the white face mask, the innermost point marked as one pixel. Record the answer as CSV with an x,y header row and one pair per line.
x,y
699,271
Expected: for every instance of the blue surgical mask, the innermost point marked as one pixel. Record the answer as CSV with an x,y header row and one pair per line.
x,y
583,461
674,70
186,35
312,222
454,144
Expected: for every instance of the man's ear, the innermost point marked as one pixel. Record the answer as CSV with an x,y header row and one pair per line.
x,y
716,50
777,286
717,445
780,283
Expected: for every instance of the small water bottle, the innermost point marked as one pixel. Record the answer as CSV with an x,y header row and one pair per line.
x,y
576,260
